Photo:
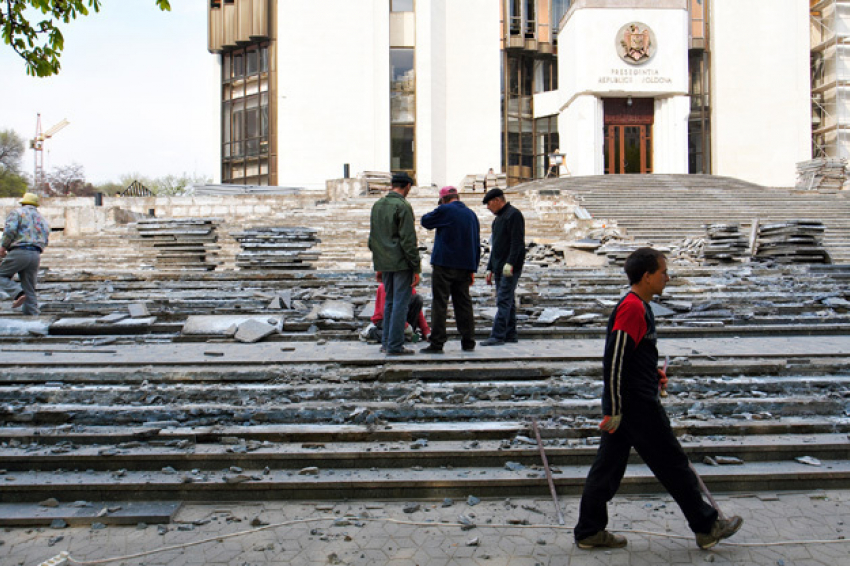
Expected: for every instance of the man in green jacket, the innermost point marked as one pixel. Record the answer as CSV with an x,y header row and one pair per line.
x,y
395,256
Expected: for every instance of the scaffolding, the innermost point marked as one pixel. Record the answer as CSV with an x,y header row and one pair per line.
x,y
830,63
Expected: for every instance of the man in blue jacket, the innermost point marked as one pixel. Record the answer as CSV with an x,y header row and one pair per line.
x,y
454,261
507,256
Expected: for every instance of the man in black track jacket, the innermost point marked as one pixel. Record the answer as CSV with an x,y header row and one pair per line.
x,y
634,417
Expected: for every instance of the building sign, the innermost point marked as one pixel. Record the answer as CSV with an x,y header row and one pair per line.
x,y
634,76
636,43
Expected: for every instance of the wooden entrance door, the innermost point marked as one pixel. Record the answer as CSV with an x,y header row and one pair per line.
x,y
628,135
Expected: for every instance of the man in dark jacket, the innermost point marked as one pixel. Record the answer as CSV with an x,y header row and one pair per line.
x,y
507,255
633,417
395,256
457,251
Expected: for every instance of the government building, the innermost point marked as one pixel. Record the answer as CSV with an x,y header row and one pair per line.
x,y
442,89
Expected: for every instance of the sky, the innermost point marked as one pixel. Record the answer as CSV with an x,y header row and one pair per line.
x,y
138,87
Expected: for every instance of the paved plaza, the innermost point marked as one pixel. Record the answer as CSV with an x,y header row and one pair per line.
x,y
507,532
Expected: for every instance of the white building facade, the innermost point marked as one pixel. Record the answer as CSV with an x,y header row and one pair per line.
x,y
446,88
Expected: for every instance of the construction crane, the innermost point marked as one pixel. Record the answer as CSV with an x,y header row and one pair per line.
x,y
37,145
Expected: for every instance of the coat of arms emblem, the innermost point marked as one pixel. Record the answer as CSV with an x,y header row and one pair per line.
x,y
636,43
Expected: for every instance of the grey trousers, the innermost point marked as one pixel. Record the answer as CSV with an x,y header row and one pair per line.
x,y
25,263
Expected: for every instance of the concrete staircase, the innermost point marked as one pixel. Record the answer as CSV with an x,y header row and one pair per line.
x,y
663,209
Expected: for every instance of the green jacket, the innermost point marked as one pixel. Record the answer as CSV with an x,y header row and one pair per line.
x,y
392,235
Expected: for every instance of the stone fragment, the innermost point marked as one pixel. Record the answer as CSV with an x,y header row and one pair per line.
x,y
253,330
472,542
58,524
808,460
514,466
411,507
112,318
466,523
309,471
472,501
552,315
336,310
660,310
51,502
138,310
728,461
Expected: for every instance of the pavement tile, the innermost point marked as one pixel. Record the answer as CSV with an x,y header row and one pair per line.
x,y
783,516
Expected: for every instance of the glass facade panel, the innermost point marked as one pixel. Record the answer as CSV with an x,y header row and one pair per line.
x,y
402,111
402,148
401,5
699,120
245,115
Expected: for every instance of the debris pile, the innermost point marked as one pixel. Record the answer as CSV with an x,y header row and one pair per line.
x,y
376,181
543,255
277,248
822,174
793,241
725,243
183,244
484,182
688,250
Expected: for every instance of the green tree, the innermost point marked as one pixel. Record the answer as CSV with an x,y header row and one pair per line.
x,y
40,43
12,182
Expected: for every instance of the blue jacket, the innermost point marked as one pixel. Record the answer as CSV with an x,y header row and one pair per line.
x,y
457,244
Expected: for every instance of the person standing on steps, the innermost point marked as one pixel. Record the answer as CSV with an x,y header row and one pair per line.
x,y
25,236
395,255
455,258
634,417
507,255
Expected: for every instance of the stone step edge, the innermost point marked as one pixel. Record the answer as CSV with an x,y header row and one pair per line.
x,y
401,432
337,484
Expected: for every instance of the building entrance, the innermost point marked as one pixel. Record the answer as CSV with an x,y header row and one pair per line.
x,y
628,135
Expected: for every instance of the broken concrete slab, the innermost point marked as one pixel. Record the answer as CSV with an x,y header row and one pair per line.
x,y
254,330
552,315
20,327
336,310
367,311
225,324
659,310
112,318
138,310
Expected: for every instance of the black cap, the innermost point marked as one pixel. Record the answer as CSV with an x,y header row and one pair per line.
x,y
493,193
401,179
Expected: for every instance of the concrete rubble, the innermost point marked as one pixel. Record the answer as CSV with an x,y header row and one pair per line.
x,y
234,384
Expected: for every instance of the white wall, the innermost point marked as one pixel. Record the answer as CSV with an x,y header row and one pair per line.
x,y
761,122
333,88
458,89
590,67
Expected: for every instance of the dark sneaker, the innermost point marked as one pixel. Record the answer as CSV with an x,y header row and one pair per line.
x,y
602,539
511,340
493,342
469,346
402,352
432,349
721,529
